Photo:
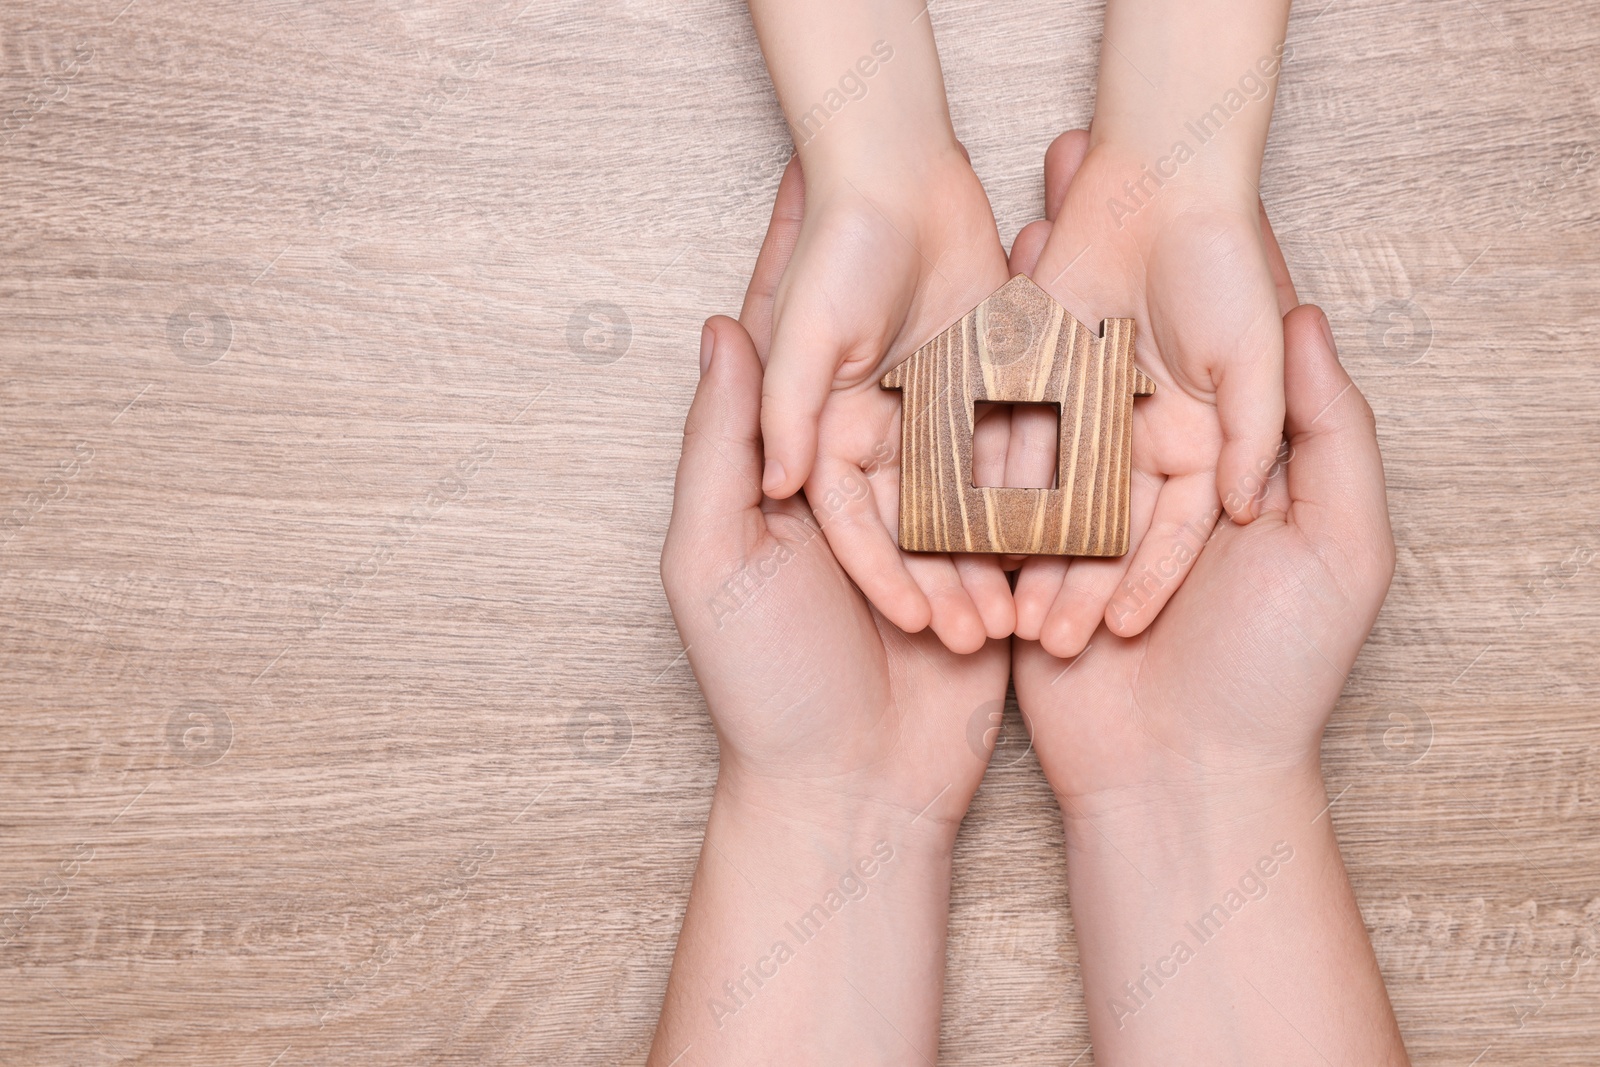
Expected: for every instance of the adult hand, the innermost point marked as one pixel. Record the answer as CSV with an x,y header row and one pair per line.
x,y
1241,670
1186,761
813,691
846,765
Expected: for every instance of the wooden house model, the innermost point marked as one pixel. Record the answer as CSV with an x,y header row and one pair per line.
x,y
1019,347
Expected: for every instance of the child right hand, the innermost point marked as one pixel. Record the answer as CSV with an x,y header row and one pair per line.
x,y
856,273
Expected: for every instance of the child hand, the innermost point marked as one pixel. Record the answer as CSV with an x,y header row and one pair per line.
x,y
875,271
1192,268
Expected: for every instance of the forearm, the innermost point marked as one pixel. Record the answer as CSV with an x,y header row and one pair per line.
x,y
1216,924
815,933
859,84
1202,74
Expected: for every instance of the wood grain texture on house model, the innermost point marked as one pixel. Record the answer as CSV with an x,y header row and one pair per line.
x,y
1019,346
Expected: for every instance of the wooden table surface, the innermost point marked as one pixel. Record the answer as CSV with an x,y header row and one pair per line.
x,y
345,354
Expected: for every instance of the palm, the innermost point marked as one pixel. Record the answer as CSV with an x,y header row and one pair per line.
x,y
1240,670
807,684
1199,287
1128,709
828,691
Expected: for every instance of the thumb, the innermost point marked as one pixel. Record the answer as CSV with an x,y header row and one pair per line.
x,y
783,231
1028,246
718,488
1250,409
1061,162
1336,486
799,376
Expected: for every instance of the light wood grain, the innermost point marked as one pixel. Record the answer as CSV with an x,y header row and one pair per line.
x,y
338,508
1018,346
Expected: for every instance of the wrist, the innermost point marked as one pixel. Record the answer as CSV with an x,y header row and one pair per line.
x,y
799,895
1147,185
1208,905
860,85
1166,865
908,167
1191,820
845,815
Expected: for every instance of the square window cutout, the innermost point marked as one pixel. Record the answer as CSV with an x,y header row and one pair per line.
x,y
1039,427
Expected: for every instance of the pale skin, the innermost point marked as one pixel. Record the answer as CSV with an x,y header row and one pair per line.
x,y
1184,760
840,735
1164,227
896,241
839,788
1183,749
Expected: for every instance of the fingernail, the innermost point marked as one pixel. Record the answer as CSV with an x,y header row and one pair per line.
x,y
708,345
1327,332
772,477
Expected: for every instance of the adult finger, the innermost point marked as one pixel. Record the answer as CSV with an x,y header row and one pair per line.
x,y
1061,162
1288,299
1033,450
1250,413
1030,242
1336,485
991,432
716,504
800,370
